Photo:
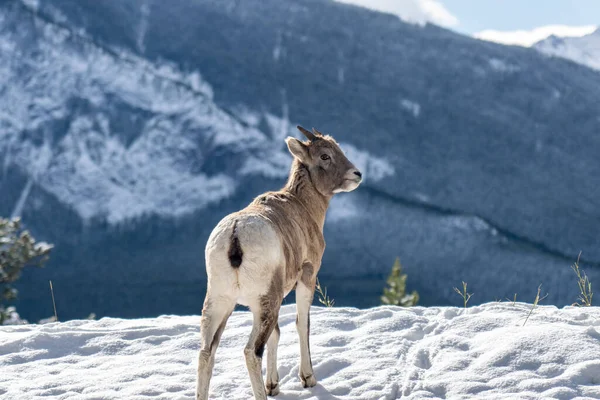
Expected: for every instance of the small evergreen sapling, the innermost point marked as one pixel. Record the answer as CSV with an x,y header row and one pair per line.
x,y
395,292
18,249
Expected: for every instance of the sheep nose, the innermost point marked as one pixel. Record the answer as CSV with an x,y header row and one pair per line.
x,y
357,173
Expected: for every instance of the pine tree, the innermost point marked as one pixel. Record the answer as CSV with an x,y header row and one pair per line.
x,y
395,292
18,249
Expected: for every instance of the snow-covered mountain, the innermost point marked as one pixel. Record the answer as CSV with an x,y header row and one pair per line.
x,y
483,352
134,135
129,128
584,50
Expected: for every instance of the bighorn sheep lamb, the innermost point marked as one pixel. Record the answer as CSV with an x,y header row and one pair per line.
x,y
256,256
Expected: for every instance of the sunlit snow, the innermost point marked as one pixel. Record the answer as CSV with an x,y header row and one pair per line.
x,y
484,352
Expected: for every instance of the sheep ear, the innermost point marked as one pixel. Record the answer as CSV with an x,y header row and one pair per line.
x,y
298,149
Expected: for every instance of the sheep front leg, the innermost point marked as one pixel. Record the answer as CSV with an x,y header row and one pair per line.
x,y
305,290
272,383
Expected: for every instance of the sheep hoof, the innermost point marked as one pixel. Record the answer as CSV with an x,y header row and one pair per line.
x,y
308,381
272,389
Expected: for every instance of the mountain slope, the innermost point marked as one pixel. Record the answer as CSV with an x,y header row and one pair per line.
x,y
391,53
132,127
583,50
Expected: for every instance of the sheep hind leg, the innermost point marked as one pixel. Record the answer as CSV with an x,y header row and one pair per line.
x,y
215,313
265,320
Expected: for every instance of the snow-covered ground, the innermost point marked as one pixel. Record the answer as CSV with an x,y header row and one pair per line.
x,y
483,352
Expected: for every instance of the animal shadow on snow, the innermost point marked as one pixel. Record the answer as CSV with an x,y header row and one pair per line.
x,y
320,392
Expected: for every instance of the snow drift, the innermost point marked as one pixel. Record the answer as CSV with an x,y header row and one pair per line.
x,y
483,352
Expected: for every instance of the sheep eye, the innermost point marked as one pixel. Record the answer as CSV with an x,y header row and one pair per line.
x,y
324,157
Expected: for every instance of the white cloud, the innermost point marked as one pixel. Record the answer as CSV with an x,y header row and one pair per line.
x,y
528,38
415,11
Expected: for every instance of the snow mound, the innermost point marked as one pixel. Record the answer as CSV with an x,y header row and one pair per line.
x,y
483,352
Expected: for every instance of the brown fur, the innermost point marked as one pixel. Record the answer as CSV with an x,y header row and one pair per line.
x,y
297,214
298,210
269,312
308,274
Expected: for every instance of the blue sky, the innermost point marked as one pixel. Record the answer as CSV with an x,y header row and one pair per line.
x,y
509,15
521,22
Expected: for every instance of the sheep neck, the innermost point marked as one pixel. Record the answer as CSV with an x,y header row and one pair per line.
x,y
301,186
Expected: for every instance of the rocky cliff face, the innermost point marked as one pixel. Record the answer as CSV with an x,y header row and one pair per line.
x,y
129,128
